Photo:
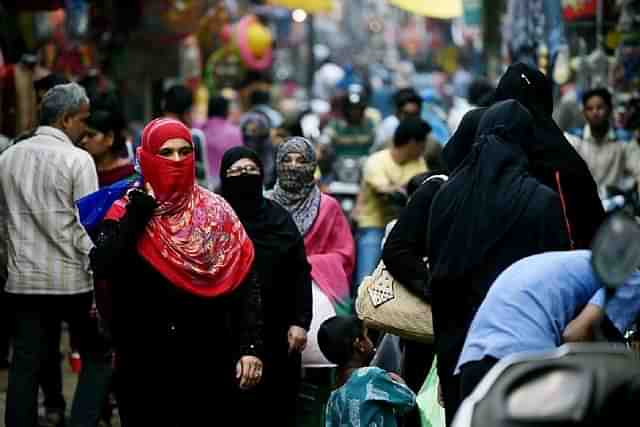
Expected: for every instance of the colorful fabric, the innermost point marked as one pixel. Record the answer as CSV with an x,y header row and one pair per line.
x,y
296,189
194,239
369,398
331,252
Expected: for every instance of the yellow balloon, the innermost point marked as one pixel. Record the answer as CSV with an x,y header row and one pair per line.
x,y
259,39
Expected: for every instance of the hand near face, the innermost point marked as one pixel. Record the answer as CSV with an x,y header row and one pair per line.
x,y
149,190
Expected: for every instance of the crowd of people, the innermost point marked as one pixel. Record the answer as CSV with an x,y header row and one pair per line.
x,y
221,269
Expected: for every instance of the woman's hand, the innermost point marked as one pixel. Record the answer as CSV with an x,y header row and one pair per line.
x,y
249,371
149,190
297,339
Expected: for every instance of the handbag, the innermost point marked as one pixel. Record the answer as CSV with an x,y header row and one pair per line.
x,y
385,304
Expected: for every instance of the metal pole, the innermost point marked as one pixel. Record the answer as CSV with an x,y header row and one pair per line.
x,y
311,41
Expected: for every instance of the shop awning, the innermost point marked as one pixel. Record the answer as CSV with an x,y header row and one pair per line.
x,y
311,6
443,9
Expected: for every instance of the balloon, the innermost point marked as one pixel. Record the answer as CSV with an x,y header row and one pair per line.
x,y
258,42
258,38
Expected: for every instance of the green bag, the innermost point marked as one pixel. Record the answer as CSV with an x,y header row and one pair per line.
x,y
431,413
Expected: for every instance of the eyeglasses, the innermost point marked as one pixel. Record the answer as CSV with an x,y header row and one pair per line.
x,y
242,170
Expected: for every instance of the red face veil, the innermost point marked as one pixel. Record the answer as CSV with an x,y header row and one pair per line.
x,y
172,181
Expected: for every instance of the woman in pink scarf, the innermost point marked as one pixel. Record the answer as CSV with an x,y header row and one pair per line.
x,y
327,235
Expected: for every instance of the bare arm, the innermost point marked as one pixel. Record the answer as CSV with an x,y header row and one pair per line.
x,y
581,328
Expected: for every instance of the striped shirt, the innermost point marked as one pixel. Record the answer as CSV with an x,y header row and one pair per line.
x,y
46,247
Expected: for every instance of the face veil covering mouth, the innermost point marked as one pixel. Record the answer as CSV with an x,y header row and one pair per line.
x,y
295,188
194,238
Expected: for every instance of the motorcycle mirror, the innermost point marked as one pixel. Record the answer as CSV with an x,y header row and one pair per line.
x,y
616,249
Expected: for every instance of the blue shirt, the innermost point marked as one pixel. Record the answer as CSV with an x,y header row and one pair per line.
x,y
531,303
369,398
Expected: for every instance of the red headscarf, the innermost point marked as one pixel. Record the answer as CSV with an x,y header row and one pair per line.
x,y
194,239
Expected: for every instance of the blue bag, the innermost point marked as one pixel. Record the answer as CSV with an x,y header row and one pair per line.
x,y
93,207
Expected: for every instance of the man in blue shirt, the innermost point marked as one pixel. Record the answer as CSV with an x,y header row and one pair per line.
x,y
531,304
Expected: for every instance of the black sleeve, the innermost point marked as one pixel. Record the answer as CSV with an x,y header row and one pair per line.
x,y
405,248
301,282
247,316
116,240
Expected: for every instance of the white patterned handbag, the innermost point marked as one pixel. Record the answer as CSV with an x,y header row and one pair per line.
x,y
385,304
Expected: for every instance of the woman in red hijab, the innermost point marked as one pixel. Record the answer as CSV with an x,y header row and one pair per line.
x,y
186,319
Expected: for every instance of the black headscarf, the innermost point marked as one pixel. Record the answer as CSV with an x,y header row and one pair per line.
x,y
553,160
269,225
460,143
486,196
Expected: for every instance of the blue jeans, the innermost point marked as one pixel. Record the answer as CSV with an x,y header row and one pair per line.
x,y
369,250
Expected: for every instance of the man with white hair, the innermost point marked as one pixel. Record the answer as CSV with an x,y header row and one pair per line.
x,y
49,279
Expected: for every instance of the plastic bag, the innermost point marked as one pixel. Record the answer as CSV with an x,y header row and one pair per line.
x,y
389,355
431,413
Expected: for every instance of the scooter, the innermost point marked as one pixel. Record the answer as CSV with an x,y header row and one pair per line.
x,y
576,384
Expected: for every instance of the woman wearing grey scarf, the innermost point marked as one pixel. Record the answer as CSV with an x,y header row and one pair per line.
x,y
295,188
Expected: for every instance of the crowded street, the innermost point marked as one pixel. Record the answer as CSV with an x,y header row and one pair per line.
x,y
319,213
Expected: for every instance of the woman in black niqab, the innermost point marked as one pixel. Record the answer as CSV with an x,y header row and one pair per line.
x,y
491,213
553,160
462,140
284,274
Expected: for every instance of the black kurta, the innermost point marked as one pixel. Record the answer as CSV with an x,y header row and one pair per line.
x,y
175,353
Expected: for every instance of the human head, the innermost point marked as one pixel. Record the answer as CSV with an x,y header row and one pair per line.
x,y
597,106
411,136
66,107
354,106
241,178
105,133
479,92
408,103
178,102
218,107
296,164
511,122
460,143
256,131
344,341
167,161
529,86
42,85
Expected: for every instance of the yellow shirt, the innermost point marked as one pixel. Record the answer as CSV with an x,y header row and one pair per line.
x,y
382,172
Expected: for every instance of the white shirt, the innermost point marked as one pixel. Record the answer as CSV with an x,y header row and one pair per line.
x,y
47,248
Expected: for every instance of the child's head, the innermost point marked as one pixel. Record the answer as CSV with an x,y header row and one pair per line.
x,y
344,340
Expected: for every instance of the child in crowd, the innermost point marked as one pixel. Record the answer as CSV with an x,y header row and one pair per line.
x,y
365,395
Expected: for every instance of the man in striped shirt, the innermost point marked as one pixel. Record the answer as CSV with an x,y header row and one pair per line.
x,y
49,279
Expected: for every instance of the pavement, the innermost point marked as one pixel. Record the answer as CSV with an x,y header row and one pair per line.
x,y
70,380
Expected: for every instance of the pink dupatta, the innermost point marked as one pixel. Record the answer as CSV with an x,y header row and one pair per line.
x,y
331,253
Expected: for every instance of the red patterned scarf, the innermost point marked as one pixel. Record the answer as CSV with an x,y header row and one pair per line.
x,y
194,239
